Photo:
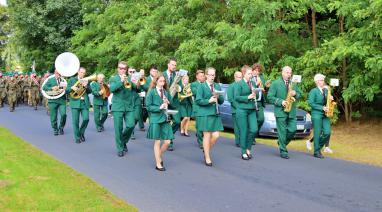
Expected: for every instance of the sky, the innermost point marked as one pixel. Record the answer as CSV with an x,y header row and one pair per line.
x,y
3,2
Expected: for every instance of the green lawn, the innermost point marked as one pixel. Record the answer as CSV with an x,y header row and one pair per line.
x,y
33,181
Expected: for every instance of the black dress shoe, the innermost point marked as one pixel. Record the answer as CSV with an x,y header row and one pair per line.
x,y
160,169
208,164
55,133
125,149
284,156
132,137
121,154
318,156
187,135
61,131
249,156
244,157
170,148
102,128
78,141
82,138
182,134
237,145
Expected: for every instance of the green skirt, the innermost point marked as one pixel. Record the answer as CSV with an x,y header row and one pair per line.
x,y
210,123
185,110
161,131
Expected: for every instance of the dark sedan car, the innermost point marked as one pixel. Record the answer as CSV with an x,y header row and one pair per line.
x,y
304,122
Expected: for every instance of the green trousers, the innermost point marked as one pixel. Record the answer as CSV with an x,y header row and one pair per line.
x,y
321,132
286,128
175,125
76,113
260,118
122,136
138,113
54,108
100,115
236,129
247,123
199,133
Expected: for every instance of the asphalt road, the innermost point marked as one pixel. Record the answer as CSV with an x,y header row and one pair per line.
x,y
265,183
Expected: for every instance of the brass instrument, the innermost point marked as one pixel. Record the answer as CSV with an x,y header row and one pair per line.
x,y
330,104
105,91
289,99
142,80
186,92
126,83
255,100
80,88
175,88
67,64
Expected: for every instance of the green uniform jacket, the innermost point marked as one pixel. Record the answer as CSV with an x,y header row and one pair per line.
x,y
97,100
175,101
48,87
231,96
202,97
316,101
241,93
76,103
277,94
153,103
194,89
123,98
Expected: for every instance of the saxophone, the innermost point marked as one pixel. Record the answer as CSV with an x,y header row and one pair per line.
x,y
330,104
289,99
175,88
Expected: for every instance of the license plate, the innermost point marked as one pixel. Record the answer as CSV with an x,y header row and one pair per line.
x,y
300,127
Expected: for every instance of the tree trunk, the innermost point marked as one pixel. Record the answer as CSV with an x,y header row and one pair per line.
x,y
344,79
314,30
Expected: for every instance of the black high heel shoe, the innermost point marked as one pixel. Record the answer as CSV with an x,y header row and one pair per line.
x,y
160,169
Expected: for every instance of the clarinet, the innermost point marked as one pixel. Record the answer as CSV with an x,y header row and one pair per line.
x,y
254,91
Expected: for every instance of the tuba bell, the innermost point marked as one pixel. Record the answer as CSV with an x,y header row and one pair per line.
x,y
67,64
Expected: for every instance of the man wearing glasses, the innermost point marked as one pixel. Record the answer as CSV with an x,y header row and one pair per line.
x,y
122,107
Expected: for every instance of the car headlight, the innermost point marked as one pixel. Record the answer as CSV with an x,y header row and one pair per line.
x,y
269,116
308,117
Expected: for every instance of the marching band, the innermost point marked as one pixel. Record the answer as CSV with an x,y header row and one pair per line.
x,y
169,100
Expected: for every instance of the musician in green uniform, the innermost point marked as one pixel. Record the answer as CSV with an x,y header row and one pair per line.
x,y
209,120
231,98
3,91
122,107
285,121
200,78
100,101
79,105
185,105
12,89
146,87
34,90
321,123
259,82
170,75
157,101
26,90
56,105
245,96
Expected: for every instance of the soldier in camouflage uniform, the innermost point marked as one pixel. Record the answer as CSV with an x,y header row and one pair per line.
x,y
12,88
3,92
26,88
34,91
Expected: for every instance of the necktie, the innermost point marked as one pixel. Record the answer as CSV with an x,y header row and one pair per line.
x,y
323,93
170,78
287,84
161,93
212,87
58,81
249,84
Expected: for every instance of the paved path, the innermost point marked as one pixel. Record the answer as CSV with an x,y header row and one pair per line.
x,y
265,183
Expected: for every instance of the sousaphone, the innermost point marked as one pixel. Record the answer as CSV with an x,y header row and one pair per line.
x,y
67,64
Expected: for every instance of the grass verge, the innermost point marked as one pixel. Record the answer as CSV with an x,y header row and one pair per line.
x,y
31,180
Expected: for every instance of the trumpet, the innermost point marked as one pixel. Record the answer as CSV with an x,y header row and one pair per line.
x,y
142,80
126,82
255,100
